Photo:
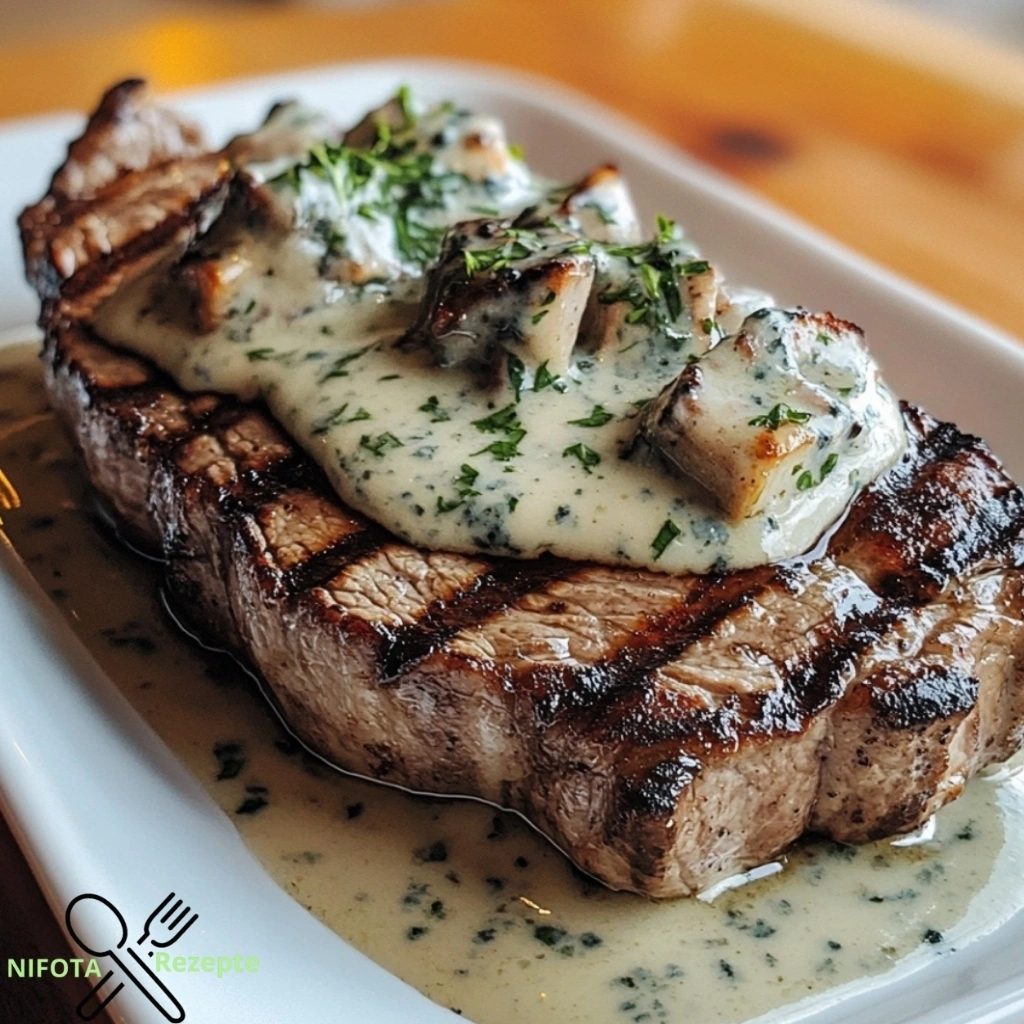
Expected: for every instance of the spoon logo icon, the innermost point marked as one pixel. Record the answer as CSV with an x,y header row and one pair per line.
x,y
100,929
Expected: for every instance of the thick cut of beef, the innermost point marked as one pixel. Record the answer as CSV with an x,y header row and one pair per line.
x,y
664,731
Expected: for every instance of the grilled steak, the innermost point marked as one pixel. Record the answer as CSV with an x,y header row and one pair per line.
x,y
664,731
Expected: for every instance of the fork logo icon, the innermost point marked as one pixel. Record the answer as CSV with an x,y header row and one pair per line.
x,y
100,929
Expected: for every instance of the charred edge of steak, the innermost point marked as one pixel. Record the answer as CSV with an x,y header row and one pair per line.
x,y
945,506
931,692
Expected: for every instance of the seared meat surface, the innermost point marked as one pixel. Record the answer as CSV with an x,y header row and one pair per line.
x,y
664,731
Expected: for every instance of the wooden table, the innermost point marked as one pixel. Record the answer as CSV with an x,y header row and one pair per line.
x,y
899,137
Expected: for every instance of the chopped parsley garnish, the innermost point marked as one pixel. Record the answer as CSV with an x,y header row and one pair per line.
x,y
587,456
498,421
259,355
537,317
652,289
824,338
777,415
380,444
337,368
668,533
599,416
230,760
543,378
805,481
392,179
695,267
463,487
337,416
516,373
520,244
507,449
504,421
433,408
667,231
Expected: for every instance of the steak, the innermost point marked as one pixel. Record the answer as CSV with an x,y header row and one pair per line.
x,y
664,731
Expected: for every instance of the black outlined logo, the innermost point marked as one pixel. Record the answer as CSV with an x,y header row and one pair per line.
x,y
98,918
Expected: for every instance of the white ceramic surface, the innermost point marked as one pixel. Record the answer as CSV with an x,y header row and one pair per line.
x,y
99,804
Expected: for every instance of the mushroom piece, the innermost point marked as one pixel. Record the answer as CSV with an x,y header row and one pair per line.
x,y
219,265
289,131
767,413
497,286
602,206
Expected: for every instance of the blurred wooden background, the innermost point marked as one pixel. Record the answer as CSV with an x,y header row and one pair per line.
x,y
900,136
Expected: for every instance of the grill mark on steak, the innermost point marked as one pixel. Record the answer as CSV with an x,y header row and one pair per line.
x,y
922,695
588,689
946,505
320,568
490,593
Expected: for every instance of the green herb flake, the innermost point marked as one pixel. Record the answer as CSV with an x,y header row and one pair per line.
x,y
433,408
666,230
587,456
599,416
259,355
380,444
777,415
257,797
549,934
230,761
537,317
668,533
337,368
805,481
504,450
828,465
498,421
516,373
651,278
447,504
543,378
695,267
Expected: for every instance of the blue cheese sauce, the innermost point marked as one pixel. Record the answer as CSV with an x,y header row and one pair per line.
x,y
485,387
469,904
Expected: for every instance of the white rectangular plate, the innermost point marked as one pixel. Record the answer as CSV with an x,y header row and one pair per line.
x,y
100,805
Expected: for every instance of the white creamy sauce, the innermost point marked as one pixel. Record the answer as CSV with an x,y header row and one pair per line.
x,y
466,903
525,445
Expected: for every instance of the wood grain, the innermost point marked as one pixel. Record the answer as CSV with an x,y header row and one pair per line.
x,y
911,152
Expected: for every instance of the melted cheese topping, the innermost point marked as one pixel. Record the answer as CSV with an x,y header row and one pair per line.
x,y
518,444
